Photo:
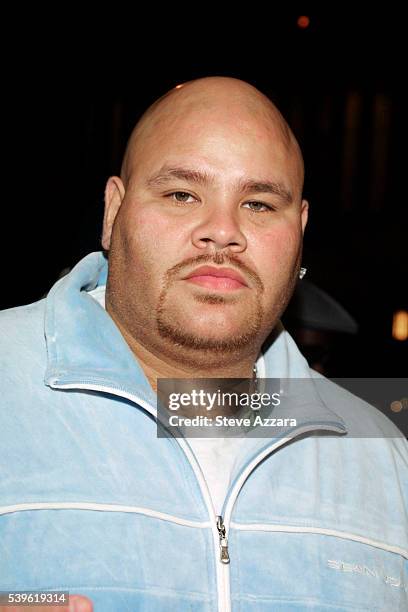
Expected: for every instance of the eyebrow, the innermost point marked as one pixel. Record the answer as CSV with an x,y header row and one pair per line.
x,y
167,173
274,187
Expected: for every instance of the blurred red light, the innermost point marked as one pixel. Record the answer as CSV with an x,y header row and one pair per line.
x,y
303,21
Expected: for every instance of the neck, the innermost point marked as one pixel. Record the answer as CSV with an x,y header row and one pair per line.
x,y
158,365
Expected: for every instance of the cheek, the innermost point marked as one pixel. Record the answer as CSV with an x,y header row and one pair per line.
x,y
277,259
142,227
149,241
280,247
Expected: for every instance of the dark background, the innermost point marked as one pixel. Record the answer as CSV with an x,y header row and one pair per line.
x,y
73,89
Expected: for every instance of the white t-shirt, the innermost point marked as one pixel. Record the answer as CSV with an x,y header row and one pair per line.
x,y
216,457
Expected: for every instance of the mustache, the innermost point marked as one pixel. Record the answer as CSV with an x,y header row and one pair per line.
x,y
217,259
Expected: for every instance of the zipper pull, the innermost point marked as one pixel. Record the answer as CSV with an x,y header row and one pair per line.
x,y
224,556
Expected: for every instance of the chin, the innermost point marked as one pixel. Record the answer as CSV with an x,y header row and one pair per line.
x,y
213,324
198,338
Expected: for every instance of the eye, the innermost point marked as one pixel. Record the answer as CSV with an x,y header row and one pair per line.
x,y
180,196
258,207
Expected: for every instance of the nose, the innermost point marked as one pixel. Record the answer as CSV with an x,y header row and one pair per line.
x,y
219,230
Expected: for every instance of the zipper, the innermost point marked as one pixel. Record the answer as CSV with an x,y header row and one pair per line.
x,y
219,525
224,554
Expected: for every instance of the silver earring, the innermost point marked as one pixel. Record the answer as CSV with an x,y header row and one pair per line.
x,y
302,272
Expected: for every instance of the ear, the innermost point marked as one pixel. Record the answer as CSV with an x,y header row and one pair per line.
x,y
114,194
304,214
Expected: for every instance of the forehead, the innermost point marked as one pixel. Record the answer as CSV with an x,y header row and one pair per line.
x,y
228,143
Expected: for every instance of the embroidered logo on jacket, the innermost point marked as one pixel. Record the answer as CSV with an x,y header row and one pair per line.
x,y
366,571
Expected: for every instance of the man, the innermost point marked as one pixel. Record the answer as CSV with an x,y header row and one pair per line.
x,y
203,232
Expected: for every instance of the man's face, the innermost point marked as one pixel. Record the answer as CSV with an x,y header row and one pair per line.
x,y
205,189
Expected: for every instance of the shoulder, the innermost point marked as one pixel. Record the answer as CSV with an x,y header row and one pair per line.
x,y
363,420
22,341
16,323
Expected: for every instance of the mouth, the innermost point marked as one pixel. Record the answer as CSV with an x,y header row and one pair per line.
x,y
221,279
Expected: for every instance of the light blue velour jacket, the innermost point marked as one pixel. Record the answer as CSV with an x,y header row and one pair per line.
x,y
92,502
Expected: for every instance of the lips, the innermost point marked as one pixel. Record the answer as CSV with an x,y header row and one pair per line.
x,y
217,278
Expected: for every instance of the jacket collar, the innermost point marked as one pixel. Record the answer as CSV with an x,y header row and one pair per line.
x,y
85,346
83,343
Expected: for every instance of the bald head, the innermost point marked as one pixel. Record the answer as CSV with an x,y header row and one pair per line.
x,y
225,100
